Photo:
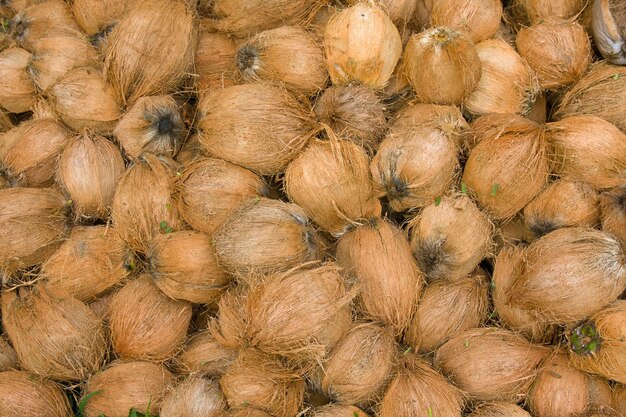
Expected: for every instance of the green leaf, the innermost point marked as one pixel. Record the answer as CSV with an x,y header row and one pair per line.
x,y
132,413
430,412
148,409
464,188
256,200
437,201
407,351
164,227
616,76
494,189
355,414
466,343
83,403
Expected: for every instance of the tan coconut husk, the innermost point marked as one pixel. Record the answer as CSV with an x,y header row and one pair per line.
x,y
123,386
54,334
202,353
400,11
509,165
514,231
378,258
249,412
337,410
442,65
23,394
152,124
215,60
229,328
537,11
143,205
100,308
17,90
608,23
34,222
362,44
5,121
190,151
145,323
499,409
418,390
4,181
8,357
619,398
613,212
196,396
481,19
258,126
94,16
264,382
450,237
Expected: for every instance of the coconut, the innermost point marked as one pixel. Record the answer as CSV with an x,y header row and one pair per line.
x,y
337,410
450,237
184,266
509,166
600,163
8,357
442,65
260,127
264,382
481,19
5,121
609,30
190,151
17,91
448,119
143,205
613,212
215,60
499,409
229,328
362,44
54,334
124,386
23,394
537,11
202,353
619,398
34,222
197,396
251,412
145,323
418,389
378,257
4,181
94,16
490,363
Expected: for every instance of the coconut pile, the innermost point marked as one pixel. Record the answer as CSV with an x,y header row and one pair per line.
x,y
313,208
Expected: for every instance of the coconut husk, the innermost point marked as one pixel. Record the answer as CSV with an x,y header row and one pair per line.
x,y
122,386
352,56
490,364
215,60
378,258
514,231
196,396
536,11
100,308
619,398
17,90
418,390
143,205
202,353
608,23
94,16
4,181
23,394
539,110
613,212
54,334
190,151
249,412
480,19
146,324
258,126
8,357
337,410
499,409
5,121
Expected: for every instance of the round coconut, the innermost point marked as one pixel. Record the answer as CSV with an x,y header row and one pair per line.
x,y
124,386
417,389
450,237
442,65
499,409
202,353
362,44
619,398
337,410
537,11
229,328
197,396
378,258
608,22
23,394
215,60
145,323
479,18
94,16
509,166
143,205
400,11
91,260
258,126
54,334
8,357
613,212
17,90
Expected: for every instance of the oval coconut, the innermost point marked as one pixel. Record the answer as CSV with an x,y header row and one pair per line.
x,y
202,353
23,394
41,19
537,11
93,16
613,212
215,60
17,90
337,410
197,396
229,328
499,409
481,19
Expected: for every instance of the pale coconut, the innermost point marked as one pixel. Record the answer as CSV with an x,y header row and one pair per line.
x,y
537,11
17,90
215,60
499,409
613,212
481,19
202,353
23,394
337,410
94,16
196,396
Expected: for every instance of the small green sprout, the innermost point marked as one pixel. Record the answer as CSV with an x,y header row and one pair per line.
x,y
585,339
466,343
494,189
437,201
430,411
83,403
165,228
407,351
463,188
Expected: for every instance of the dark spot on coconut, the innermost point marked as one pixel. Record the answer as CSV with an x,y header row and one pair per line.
x,y
543,227
432,259
165,125
397,188
19,29
585,339
247,59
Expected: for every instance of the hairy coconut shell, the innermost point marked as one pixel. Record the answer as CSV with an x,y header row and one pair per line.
x,y
23,394
229,328
608,23
448,119
249,412
619,398
42,19
8,357
190,151
537,11
481,19
17,90
5,121
197,396
202,353
337,410
215,60
613,212
499,409
94,16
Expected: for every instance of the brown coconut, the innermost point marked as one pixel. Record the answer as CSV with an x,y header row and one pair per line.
x,y
23,394
613,212
419,390
122,386
378,258
337,410
442,65
619,398
499,409
197,396
608,23
143,205
481,19
145,323
54,334
251,412
229,327
17,90
5,121
202,353
8,357
258,126
215,60
362,44
537,11
190,151
93,16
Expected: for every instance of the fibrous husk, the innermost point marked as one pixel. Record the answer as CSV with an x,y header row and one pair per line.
x,y
17,90
251,412
613,212
400,11
450,237
202,353
378,258
481,19
337,410
23,394
490,364
5,121
442,65
258,126
418,390
499,409
362,44
190,151
146,324
122,386
515,232
93,16
608,23
509,165
54,334
229,328
619,398
8,357
537,11
143,205
421,18
215,60
91,260
196,396
151,49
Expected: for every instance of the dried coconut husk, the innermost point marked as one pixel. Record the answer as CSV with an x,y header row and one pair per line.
x,y
190,151
258,126
509,165
619,398
537,11
143,205
490,363
613,212
100,308
337,410
481,19
17,90
442,65
229,327
184,266
499,409
123,386
264,382
362,44
152,124
4,181
34,221
146,324
23,394
202,353
196,396
250,412
450,237
600,162
8,357
400,11
215,60
377,256
419,390
608,23
42,19
5,121
94,16
54,334
558,51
